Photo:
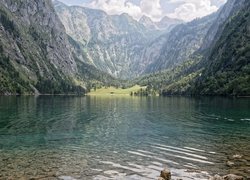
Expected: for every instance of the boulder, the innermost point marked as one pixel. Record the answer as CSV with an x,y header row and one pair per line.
x,y
166,174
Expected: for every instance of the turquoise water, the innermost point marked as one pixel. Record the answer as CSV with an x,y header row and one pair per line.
x,y
123,137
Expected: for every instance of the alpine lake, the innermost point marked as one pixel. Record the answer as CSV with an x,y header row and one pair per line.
x,y
123,137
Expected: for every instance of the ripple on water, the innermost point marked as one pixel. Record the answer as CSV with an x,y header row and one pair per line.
x,y
245,119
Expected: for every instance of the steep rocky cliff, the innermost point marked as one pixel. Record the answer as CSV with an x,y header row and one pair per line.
x,y
41,32
35,51
35,45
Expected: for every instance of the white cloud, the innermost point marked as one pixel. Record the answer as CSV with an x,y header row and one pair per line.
x,y
191,9
116,7
186,10
151,8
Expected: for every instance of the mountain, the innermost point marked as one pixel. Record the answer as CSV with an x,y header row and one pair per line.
x,y
222,68
227,66
229,8
180,43
36,55
148,23
71,49
111,43
191,38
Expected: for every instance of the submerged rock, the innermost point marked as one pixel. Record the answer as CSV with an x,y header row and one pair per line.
x,y
237,156
166,174
216,177
230,163
232,177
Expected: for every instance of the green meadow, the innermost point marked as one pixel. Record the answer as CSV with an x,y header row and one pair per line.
x,y
116,91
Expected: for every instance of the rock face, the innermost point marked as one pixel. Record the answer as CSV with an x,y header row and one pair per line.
x,y
115,44
34,44
148,23
35,52
47,37
111,43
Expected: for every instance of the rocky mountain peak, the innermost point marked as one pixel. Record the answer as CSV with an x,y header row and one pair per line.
x,y
148,22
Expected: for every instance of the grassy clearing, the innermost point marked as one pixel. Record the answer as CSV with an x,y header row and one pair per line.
x,y
115,91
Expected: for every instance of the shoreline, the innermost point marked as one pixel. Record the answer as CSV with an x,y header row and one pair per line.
x,y
117,95
35,95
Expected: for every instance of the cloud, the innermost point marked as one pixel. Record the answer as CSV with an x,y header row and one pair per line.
x,y
191,9
186,10
151,8
116,7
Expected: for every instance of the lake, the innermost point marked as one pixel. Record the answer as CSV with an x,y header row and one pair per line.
x,y
113,137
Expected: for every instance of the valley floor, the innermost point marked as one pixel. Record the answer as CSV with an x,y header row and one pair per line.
x,y
116,91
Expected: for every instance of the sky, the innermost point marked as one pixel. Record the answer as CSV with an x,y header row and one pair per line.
x,y
186,10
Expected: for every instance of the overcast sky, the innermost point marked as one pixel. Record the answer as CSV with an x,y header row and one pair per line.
x,y
155,9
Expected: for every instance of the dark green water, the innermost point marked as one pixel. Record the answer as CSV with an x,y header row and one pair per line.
x,y
123,137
